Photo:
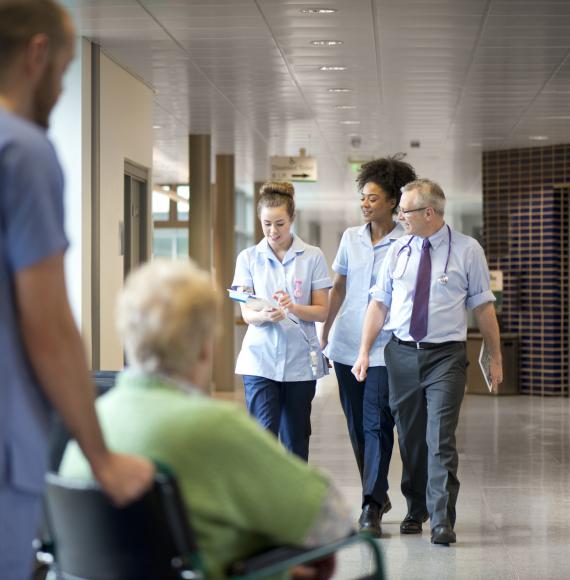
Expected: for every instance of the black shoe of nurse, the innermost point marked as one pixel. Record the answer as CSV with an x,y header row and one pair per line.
x,y
370,519
410,525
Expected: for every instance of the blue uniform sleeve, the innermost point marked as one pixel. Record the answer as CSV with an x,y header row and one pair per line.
x,y
320,278
31,204
382,290
479,280
340,264
243,275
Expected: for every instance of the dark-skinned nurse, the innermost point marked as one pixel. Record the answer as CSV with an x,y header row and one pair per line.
x,y
365,404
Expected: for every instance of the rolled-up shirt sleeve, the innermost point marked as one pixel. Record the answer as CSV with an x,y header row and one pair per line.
x,y
382,290
321,278
340,264
479,280
243,276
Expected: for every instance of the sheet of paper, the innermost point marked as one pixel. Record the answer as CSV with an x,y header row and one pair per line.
x,y
257,303
485,364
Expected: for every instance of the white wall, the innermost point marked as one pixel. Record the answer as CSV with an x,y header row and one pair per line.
x,y
126,134
70,131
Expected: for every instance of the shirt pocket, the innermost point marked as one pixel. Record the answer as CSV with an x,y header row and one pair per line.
x,y
454,287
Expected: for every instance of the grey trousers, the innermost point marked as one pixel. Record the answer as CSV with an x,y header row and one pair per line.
x,y
426,391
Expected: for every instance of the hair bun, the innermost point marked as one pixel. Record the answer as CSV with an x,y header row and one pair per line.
x,y
281,187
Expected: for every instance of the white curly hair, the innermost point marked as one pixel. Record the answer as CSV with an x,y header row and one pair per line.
x,y
165,312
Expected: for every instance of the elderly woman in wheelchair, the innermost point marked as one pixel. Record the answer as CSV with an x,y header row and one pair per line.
x,y
243,491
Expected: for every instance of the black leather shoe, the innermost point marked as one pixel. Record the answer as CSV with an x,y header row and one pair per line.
x,y
370,519
410,525
371,516
443,535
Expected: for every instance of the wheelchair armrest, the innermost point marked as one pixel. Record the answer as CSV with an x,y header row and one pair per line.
x,y
283,558
264,559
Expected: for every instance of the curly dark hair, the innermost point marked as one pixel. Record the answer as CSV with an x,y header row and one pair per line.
x,y
389,173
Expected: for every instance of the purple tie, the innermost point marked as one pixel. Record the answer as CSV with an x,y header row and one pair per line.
x,y
419,322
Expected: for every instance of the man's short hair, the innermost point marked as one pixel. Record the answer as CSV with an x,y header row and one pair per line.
x,y
430,193
20,20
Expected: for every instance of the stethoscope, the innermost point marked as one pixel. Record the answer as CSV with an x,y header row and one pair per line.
x,y
399,271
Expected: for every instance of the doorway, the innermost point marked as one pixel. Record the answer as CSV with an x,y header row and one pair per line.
x,y
135,220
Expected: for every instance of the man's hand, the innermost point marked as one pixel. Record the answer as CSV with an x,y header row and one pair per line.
x,y
360,367
124,478
496,371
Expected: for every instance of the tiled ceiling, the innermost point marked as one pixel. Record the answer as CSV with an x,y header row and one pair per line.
x,y
459,76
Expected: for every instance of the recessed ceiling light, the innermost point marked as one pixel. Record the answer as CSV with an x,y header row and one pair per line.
x,y
350,122
165,187
318,10
326,42
157,126
339,90
333,67
345,107
538,138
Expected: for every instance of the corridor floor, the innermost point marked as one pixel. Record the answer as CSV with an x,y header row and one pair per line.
x,y
514,504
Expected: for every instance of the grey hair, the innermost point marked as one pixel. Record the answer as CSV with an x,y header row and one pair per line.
x,y
429,192
165,312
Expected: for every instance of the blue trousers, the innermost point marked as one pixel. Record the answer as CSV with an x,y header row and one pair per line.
x,y
370,426
284,408
20,514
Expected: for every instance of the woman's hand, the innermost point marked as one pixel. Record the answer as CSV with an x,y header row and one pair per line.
x,y
360,367
272,315
285,301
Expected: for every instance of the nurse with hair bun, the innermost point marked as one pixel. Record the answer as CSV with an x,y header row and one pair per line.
x,y
281,358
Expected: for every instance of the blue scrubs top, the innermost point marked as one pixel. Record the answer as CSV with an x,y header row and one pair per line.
x,y
280,351
31,230
468,284
360,262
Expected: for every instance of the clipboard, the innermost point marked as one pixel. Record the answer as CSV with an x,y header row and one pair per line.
x,y
485,365
251,300
257,303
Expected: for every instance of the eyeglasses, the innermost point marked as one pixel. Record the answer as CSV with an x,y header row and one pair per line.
x,y
408,211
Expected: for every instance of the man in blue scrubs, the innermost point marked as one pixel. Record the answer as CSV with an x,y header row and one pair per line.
x,y
426,283
42,362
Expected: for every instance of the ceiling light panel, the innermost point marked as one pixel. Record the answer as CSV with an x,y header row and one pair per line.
x,y
318,11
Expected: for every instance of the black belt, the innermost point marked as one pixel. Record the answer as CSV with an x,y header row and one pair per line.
x,y
425,345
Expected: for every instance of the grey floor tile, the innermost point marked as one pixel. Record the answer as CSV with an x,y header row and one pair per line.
x,y
514,503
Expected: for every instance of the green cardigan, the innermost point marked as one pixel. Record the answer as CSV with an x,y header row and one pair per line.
x,y
243,490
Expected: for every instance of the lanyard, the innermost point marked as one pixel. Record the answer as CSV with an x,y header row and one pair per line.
x,y
401,266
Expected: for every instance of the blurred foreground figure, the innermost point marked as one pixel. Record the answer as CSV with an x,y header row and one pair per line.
x,y
42,362
243,491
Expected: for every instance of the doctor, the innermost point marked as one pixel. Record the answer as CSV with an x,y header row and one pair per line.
x,y
427,281
365,405
281,359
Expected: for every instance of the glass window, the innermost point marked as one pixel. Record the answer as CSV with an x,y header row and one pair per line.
x,y
182,208
170,243
160,206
